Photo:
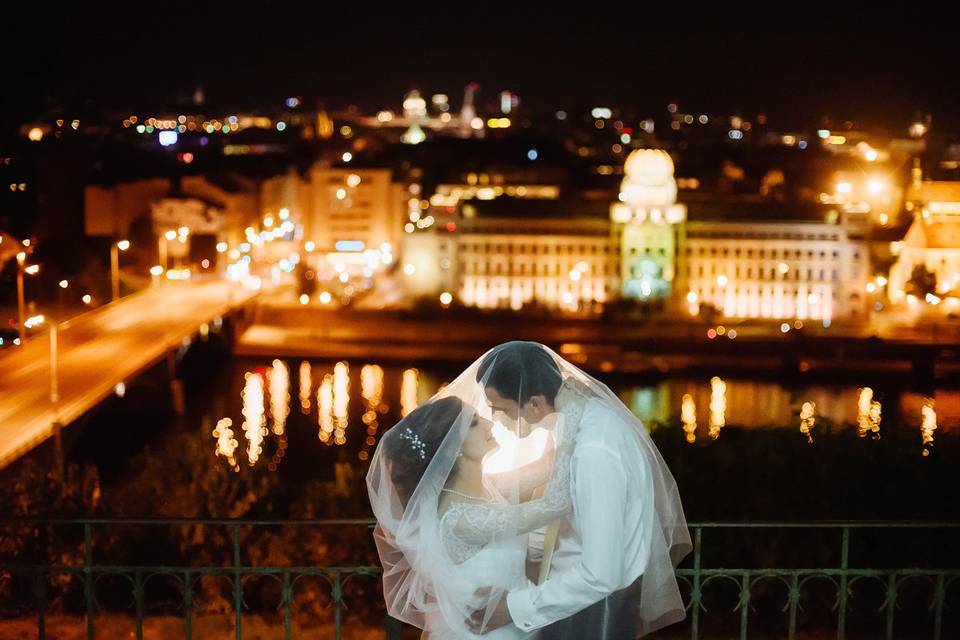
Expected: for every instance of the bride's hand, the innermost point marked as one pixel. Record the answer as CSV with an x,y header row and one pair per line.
x,y
500,617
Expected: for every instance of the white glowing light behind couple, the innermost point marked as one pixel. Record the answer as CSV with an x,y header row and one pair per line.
x,y
514,452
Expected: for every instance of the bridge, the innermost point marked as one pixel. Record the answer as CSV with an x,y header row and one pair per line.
x,y
42,386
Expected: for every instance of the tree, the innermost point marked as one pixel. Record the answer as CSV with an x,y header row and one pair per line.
x,y
922,281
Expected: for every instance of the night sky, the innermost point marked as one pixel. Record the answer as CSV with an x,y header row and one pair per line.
x,y
144,57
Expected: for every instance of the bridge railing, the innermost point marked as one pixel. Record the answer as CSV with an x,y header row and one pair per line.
x,y
746,580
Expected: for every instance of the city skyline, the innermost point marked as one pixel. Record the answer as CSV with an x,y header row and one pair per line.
x,y
98,60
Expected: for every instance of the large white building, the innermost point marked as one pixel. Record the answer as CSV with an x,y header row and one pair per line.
x,y
336,205
744,258
932,241
514,253
774,267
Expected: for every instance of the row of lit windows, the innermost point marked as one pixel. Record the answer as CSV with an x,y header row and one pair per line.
x,y
524,269
647,251
515,230
535,249
769,274
503,284
772,235
774,254
710,294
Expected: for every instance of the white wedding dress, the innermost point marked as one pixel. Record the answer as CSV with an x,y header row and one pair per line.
x,y
486,542
449,563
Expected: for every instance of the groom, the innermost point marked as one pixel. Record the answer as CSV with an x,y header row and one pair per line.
x,y
594,579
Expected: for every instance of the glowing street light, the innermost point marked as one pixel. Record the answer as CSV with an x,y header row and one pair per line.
x,y
115,250
21,306
162,241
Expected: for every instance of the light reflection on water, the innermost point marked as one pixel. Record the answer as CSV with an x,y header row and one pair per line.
x,y
354,411
253,417
755,404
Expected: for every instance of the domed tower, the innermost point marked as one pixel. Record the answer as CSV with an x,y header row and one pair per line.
x,y
414,110
646,223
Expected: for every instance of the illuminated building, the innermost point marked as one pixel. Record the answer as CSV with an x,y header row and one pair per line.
x,y
430,256
558,254
415,111
865,199
340,205
932,241
487,187
468,113
220,205
646,222
744,257
750,260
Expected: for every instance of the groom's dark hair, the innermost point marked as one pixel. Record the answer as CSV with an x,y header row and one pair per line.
x,y
521,370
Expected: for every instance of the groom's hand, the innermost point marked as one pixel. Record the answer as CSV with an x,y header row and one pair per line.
x,y
500,617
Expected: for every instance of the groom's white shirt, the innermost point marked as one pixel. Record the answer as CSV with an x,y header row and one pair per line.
x,y
602,547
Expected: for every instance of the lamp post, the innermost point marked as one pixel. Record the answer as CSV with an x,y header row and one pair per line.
x,y
22,268
162,247
115,250
21,312
61,304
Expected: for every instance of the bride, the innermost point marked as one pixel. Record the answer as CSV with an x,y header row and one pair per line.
x,y
453,532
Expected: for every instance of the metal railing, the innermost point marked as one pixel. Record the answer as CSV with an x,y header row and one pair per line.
x,y
841,578
700,581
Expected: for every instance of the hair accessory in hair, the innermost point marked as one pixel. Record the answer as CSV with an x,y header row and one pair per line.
x,y
415,442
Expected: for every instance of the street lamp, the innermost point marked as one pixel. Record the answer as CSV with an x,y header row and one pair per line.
x,y
162,247
60,297
115,250
21,306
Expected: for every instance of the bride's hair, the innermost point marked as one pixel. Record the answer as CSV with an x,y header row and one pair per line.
x,y
412,443
521,370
